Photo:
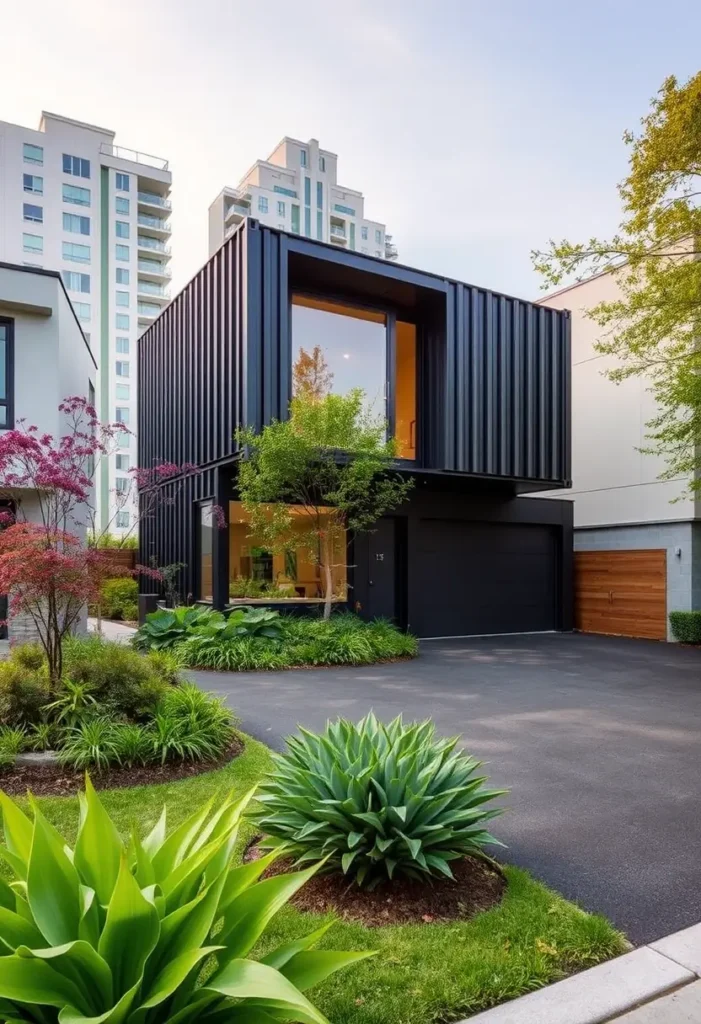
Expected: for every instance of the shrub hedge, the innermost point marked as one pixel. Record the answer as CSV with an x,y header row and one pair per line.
x,y
686,627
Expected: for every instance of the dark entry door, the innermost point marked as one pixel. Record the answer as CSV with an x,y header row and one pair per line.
x,y
483,578
382,576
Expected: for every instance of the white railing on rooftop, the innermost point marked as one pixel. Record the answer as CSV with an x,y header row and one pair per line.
x,y
122,153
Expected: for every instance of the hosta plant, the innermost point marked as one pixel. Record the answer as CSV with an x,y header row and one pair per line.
x,y
379,801
111,934
168,626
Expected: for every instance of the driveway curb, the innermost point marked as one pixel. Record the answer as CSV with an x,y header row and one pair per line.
x,y
606,992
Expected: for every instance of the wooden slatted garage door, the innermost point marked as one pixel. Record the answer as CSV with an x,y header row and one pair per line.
x,y
623,593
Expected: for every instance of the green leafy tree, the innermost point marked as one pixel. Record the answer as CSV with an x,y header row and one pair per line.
x,y
331,460
653,327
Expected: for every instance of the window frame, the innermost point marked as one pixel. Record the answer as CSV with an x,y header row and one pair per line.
x,y
30,160
32,191
80,217
78,161
198,508
119,351
8,403
121,226
75,202
118,364
30,219
76,259
118,176
30,234
123,212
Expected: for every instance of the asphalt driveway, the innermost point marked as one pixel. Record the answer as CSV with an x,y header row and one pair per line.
x,y
597,739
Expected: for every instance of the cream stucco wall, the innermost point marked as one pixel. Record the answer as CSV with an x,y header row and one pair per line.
x,y
613,482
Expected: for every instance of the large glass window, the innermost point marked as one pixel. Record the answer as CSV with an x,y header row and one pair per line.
x,y
76,194
121,228
292,571
32,154
75,281
32,243
77,224
76,253
121,252
206,546
121,205
6,364
337,347
405,390
76,166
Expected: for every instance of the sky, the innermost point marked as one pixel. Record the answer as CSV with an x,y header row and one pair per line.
x,y
476,130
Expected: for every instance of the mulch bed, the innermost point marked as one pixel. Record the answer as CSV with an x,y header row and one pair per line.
x,y
477,887
55,780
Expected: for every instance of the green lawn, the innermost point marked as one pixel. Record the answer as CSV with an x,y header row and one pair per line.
x,y
423,974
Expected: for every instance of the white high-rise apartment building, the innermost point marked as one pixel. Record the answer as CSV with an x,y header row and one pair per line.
x,y
296,190
73,201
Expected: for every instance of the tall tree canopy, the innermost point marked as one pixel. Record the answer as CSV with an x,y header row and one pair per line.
x,y
653,329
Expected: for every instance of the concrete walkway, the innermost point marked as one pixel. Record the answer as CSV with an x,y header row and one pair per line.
x,y
656,984
115,631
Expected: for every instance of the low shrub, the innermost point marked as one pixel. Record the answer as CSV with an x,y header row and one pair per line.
x,y
686,627
24,690
74,703
14,739
379,801
90,744
150,915
191,725
28,656
133,744
344,639
42,736
130,612
117,596
121,679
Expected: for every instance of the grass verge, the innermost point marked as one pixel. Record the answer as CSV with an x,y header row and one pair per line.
x,y
423,974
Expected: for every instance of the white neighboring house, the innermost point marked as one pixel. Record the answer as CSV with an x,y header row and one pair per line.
x,y
620,503
44,358
296,190
73,201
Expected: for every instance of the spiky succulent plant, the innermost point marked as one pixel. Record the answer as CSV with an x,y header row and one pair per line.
x,y
379,801
107,933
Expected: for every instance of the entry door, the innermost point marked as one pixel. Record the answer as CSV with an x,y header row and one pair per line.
x,y
382,596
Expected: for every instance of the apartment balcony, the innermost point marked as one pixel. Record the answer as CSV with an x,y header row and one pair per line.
x,y
147,312
337,233
153,270
150,292
122,153
146,243
155,226
151,201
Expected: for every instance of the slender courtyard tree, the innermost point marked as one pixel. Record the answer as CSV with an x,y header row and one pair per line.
x,y
309,479
653,328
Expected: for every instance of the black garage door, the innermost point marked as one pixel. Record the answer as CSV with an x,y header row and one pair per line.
x,y
483,578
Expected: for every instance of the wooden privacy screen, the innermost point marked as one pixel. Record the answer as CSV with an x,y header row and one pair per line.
x,y
623,593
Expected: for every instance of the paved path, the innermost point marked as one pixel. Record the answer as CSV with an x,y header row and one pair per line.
x,y
597,739
116,631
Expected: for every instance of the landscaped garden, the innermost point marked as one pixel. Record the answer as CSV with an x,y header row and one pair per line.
x,y
245,639
436,961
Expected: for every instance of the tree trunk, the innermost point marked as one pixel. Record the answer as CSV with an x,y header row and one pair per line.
x,y
328,579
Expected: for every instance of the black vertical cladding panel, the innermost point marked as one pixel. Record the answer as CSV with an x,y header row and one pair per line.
x,y
449,406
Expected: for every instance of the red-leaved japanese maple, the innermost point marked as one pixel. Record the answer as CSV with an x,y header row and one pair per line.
x,y
47,569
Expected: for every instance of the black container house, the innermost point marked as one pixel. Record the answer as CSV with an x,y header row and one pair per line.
x,y
475,386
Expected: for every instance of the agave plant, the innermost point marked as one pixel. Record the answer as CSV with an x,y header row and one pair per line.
x,y
111,934
379,801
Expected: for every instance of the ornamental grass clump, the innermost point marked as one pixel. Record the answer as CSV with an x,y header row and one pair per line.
x,y
379,801
108,933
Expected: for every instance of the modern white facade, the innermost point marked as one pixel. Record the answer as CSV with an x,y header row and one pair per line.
x,y
296,189
44,357
620,502
73,201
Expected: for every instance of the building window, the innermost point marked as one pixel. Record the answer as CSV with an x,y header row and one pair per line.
x,y
285,191
364,233
121,367
76,194
320,225
291,572
122,298
121,321
307,191
77,224
280,208
303,157
122,346
121,252
7,366
205,545
76,253
123,463
352,343
352,235
33,183
82,310
32,243
121,182
121,484
121,205
121,414
294,213
33,154
262,204
319,195
33,213
121,228
124,439
122,519
76,282
121,391
307,222
322,164
344,209
76,166
122,275
378,237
